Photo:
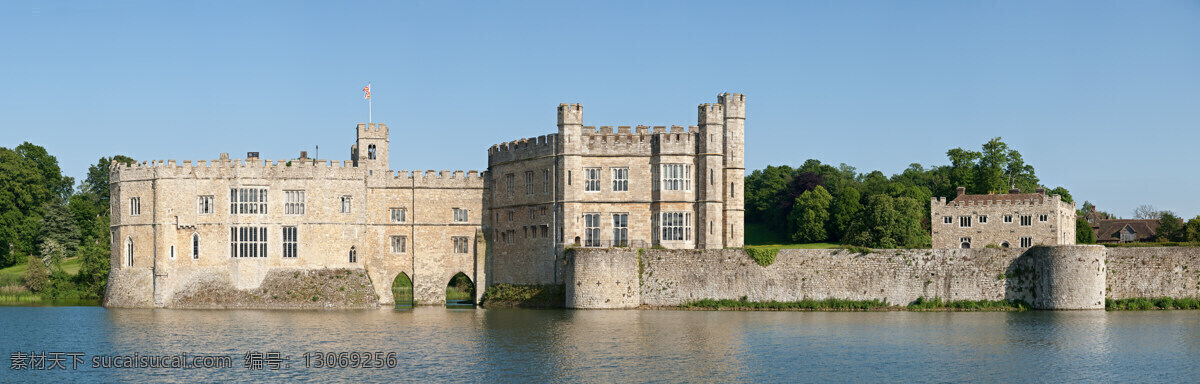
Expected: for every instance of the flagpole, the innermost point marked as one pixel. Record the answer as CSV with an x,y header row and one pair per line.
x,y
369,111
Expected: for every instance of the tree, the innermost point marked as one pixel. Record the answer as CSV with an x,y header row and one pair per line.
x,y
23,190
1062,192
807,221
1146,212
1192,229
1083,232
845,208
96,182
764,190
60,228
1170,227
888,222
47,165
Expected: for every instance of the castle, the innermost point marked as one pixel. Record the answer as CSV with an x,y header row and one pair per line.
x,y
181,228
1007,220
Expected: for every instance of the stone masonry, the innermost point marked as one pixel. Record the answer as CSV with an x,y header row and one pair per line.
x,y
1013,220
676,188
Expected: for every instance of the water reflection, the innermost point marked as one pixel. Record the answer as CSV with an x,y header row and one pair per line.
x,y
515,345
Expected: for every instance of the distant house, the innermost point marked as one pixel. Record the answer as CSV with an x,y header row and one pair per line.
x,y
1125,231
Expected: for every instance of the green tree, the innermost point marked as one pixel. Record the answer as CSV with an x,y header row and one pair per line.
x,y
96,182
809,216
888,222
23,191
845,208
47,165
59,227
1170,227
1083,232
37,275
1066,195
1192,229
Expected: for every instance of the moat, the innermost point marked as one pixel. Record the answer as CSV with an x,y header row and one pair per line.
x,y
513,345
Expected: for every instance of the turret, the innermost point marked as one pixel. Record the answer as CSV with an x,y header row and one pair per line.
x,y
370,151
735,168
570,126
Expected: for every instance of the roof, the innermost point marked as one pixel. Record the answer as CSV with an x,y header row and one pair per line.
x,y
1142,229
986,199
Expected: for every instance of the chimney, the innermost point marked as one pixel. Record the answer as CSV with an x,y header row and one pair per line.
x,y
962,191
224,156
303,155
1014,190
1040,191
251,155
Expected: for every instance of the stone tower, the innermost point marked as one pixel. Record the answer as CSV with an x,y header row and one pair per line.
x,y
735,167
570,142
370,151
710,172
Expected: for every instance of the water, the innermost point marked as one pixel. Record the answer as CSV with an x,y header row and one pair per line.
x,y
513,345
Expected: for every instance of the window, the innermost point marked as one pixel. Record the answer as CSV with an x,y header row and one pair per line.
x,y
399,215
591,229
289,242
247,201
129,251
353,255
510,215
510,236
675,177
964,221
195,246
371,152
508,185
543,210
1008,218
982,219
293,202
591,179
205,205
731,185
675,226
1026,220
545,181
948,219
247,242
532,213
460,243
1026,242
460,215
528,182
346,201
1042,218
172,253
135,206
399,244
620,179
964,242
711,176
620,229
569,177
545,231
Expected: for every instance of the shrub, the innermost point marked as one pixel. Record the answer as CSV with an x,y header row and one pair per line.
x,y
763,256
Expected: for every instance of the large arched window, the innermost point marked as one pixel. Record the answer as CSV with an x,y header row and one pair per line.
x,y
195,246
129,251
371,151
353,255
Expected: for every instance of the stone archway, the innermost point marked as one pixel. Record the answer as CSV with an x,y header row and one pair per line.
x,y
402,290
460,290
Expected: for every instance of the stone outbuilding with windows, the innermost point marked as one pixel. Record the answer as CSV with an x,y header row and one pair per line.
x,y
1012,220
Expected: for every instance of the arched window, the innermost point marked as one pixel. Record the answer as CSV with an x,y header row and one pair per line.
x,y
195,246
353,255
966,245
371,151
129,251
1004,245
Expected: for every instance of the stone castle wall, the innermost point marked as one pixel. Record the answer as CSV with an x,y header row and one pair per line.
x,y
1153,272
1060,277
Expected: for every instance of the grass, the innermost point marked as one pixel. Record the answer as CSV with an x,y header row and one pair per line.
x,y
16,273
1146,304
812,305
759,235
921,304
525,296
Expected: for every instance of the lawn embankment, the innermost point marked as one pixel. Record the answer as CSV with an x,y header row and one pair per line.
x,y
920,305
1148,304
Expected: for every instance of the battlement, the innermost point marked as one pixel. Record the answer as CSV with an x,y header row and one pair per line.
x,y
372,130
570,114
998,200
709,113
735,104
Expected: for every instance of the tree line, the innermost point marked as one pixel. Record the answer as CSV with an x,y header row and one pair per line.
x,y
819,202
45,219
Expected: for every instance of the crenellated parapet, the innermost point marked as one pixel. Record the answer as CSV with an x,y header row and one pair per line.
x,y
235,168
444,179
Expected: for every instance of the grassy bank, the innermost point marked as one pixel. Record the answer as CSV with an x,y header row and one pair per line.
x,y
921,304
1148,304
524,296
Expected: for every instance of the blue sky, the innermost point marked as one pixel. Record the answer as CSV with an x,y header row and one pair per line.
x,y
1102,98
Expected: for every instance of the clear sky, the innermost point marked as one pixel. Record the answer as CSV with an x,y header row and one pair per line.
x,y
1102,97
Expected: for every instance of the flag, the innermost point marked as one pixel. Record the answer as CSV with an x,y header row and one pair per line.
x,y
367,92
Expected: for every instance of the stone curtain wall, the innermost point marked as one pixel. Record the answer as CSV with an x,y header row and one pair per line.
x,y
1065,277
1153,272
